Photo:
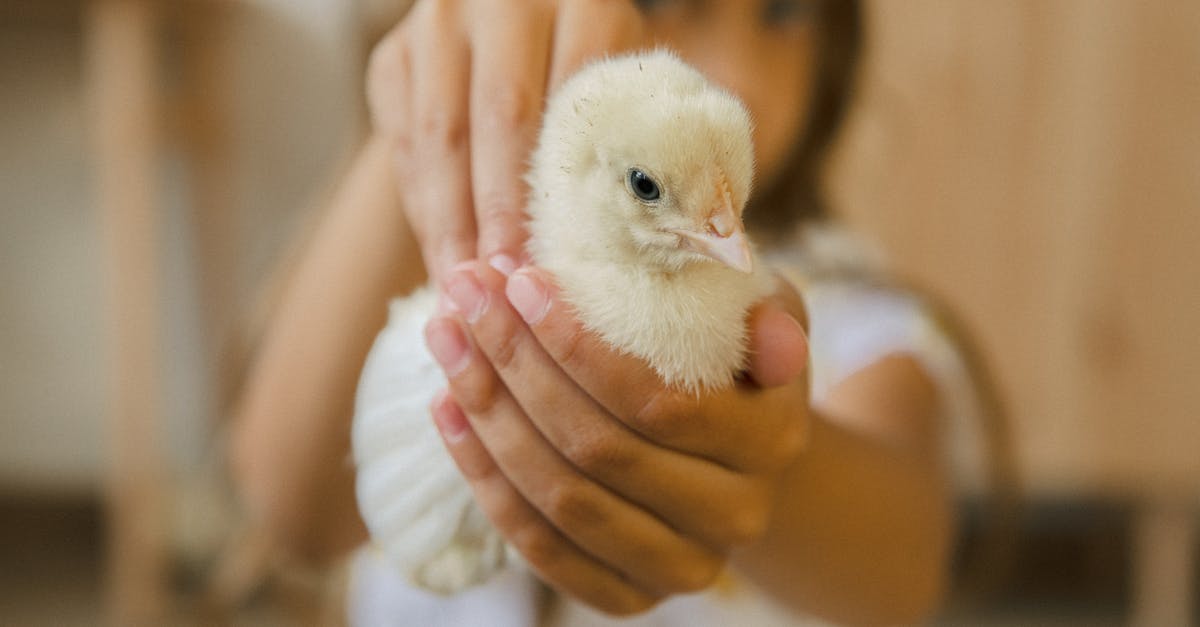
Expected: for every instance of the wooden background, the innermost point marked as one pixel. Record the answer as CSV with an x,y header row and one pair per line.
x,y
1037,164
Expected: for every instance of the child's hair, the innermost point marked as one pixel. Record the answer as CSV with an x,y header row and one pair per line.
x,y
797,195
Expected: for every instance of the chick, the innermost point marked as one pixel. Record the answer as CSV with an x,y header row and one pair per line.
x,y
638,183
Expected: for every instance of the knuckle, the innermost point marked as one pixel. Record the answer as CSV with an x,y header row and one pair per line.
x,y
500,215
476,396
508,106
793,442
570,351
503,344
538,545
450,238
748,524
570,505
499,205
663,417
696,575
444,243
402,150
476,470
597,453
443,129
500,233
505,511
787,445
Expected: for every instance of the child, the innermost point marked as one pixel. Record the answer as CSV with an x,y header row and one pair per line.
x,y
836,504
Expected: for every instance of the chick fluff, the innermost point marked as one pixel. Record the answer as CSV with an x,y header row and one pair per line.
x,y
637,188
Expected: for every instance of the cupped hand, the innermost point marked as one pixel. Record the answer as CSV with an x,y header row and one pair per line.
x,y
457,88
615,489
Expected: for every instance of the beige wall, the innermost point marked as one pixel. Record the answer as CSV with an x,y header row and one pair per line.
x,y
1037,163
288,90
50,340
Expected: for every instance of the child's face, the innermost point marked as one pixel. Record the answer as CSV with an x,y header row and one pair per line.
x,y
762,50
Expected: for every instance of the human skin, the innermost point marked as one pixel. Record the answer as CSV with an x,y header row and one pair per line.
x,y
871,554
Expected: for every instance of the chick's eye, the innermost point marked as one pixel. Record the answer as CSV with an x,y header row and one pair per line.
x,y
643,186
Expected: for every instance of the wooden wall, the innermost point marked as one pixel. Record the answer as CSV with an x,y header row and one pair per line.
x,y
1037,163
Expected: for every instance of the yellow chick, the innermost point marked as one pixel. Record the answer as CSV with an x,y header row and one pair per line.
x,y
638,183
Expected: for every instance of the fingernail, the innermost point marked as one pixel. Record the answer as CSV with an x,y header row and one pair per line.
x,y
466,294
448,345
782,354
801,337
503,264
528,297
450,420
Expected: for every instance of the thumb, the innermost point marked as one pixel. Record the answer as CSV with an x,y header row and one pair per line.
x,y
778,340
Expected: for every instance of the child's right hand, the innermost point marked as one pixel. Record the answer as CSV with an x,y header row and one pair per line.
x,y
458,88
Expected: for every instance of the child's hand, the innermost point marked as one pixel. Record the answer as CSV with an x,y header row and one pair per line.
x,y
616,490
457,88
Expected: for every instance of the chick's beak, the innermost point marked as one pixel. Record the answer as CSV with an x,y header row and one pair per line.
x,y
722,238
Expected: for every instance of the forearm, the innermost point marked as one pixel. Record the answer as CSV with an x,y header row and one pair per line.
x,y
860,533
291,440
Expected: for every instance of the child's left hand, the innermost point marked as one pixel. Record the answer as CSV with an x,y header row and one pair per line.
x,y
614,488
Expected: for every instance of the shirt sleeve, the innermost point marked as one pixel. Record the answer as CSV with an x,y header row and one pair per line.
x,y
853,324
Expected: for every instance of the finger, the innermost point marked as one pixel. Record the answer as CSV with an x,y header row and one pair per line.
x,y
713,425
389,85
590,29
436,174
778,346
615,532
622,383
701,499
509,60
778,336
555,559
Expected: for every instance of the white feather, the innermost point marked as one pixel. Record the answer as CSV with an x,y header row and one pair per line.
x,y
683,314
417,506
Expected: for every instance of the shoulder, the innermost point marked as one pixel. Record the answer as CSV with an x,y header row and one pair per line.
x,y
853,323
857,315
873,337
860,317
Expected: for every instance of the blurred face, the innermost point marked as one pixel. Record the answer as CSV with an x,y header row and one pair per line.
x,y
761,50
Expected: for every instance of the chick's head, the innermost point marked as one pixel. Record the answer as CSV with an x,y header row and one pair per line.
x,y
651,160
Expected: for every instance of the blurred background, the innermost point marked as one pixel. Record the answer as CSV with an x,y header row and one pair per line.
x,y
1035,163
